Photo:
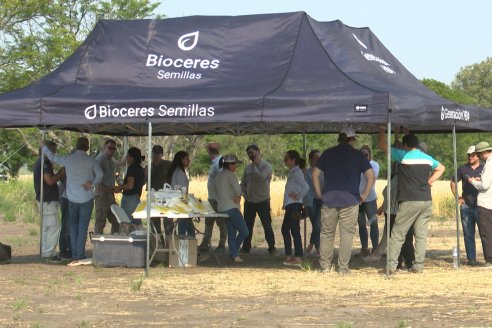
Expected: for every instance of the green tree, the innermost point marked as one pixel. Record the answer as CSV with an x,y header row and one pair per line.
x,y
476,81
37,36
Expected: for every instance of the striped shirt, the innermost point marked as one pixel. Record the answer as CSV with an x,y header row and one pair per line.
x,y
413,177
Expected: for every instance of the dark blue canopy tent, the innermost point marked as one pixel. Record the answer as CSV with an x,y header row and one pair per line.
x,y
272,73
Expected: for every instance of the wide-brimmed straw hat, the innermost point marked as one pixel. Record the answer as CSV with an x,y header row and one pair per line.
x,y
482,146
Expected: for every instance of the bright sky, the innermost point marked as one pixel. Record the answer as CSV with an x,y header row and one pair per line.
x,y
431,38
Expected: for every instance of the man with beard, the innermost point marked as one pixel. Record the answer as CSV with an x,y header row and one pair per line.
x,y
468,202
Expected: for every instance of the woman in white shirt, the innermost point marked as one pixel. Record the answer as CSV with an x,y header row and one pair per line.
x,y
296,188
228,194
179,179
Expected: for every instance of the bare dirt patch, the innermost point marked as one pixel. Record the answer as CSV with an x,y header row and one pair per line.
x,y
260,292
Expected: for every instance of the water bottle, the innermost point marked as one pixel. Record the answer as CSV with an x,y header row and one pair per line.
x,y
456,263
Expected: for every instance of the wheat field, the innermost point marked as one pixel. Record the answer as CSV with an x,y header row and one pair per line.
x,y
443,200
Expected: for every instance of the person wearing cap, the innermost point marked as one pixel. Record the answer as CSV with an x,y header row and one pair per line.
x,y
158,175
214,154
51,225
132,183
228,194
296,188
341,166
83,173
468,202
103,193
417,173
255,185
484,199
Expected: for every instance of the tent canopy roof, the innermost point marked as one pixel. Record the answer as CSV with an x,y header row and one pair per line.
x,y
271,73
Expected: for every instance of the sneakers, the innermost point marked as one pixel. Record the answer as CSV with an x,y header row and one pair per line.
x,y
487,266
472,263
372,258
294,261
364,253
390,272
52,259
309,249
237,259
415,270
272,250
344,272
325,270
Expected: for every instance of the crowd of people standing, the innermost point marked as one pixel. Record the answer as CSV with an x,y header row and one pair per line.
x,y
337,189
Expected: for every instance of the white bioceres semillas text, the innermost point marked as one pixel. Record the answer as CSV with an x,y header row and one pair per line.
x,y
456,114
110,111
180,68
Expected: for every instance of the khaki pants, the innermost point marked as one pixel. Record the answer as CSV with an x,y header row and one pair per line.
x,y
103,202
209,226
51,228
330,217
416,214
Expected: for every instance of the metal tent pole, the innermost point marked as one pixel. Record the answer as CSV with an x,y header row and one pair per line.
x,y
149,198
41,198
457,213
304,148
388,196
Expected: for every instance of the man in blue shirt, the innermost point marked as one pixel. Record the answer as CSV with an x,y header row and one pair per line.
x,y
83,173
415,177
342,166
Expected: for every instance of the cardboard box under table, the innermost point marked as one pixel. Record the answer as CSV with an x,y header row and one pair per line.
x,y
119,251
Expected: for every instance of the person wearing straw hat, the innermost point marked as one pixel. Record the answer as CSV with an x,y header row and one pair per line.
x,y
228,192
468,202
484,199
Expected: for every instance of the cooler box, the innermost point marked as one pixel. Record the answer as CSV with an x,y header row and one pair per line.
x,y
186,254
119,251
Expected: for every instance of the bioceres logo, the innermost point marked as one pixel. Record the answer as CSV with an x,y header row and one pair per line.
x,y
182,68
109,111
456,114
186,38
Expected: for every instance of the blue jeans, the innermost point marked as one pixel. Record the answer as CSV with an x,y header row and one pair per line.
x,y
469,219
80,216
186,227
237,230
64,242
129,203
291,226
370,209
315,217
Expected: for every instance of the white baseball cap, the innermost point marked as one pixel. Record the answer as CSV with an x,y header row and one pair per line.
x,y
470,150
348,131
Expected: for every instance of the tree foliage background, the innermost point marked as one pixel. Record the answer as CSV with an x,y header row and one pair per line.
x,y
37,35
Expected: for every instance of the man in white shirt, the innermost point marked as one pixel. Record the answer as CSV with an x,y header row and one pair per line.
x,y
484,199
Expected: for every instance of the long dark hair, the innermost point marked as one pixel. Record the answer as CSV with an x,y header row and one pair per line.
x,y
177,162
136,154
